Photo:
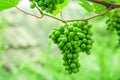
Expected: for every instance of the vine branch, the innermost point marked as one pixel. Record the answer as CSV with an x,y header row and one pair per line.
x,y
64,21
28,13
107,4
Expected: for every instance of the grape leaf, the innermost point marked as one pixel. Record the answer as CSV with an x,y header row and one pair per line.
x,y
85,5
98,8
6,4
60,7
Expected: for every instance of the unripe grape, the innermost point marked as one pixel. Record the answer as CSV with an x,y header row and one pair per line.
x,y
69,56
65,63
76,38
88,47
75,60
84,40
32,5
83,46
64,39
73,65
75,55
70,28
85,27
71,40
81,35
41,4
71,34
75,29
67,68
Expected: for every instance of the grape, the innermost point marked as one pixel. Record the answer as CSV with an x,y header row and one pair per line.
x,y
73,65
81,35
71,40
32,5
48,6
113,24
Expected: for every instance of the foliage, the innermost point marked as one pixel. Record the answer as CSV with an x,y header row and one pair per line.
x,y
5,4
104,70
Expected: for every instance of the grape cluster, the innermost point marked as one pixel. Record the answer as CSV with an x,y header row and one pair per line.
x,y
72,39
46,5
113,24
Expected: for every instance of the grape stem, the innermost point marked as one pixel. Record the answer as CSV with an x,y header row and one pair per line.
x,y
64,21
107,4
29,13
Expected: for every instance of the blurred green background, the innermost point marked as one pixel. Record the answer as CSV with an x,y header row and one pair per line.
x,y
26,53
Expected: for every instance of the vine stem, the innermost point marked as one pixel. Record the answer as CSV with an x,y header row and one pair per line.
x,y
61,20
107,4
28,13
90,17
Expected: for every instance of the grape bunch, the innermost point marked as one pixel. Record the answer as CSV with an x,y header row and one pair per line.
x,y
72,39
46,5
113,24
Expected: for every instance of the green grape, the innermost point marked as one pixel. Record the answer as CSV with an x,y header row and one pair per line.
x,y
75,29
73,65
65,63
65,58
79,42
85,27
77,50
83,46
64,39
41,4
71,40
88,47
61,29
75,70
88,36
82,23
75,60
71,34
70,28
89,41
88,52
60,45
89,26
81,35
75,55
48,6
68,45
84,40
66,32
69,56
67,68
84,32
76,38
32,5
57,33
47,1
67,51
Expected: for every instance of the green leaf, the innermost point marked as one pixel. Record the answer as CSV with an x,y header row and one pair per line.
x,y
6,4
60,7
98,8
85,5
